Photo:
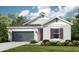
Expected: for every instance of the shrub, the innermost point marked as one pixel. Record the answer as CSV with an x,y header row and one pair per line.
x,y
53,43
33,41
59,43
70,44
76,43
66,42
45,42
3,39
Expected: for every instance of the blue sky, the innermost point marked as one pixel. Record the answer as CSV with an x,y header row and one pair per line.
x,y
20,10
14,9
17,9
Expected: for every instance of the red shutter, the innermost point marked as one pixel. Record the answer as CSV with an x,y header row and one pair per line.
x,y
51,33
61,33
41,34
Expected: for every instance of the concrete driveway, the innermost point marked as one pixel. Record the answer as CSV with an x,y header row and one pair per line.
x,y
9,45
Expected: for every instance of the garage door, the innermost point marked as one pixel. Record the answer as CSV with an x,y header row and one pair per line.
x,y
22,36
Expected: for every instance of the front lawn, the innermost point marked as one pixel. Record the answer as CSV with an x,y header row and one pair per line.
x,y
37,48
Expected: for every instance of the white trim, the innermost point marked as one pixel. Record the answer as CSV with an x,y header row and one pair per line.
x,y
22,29
50,20
31,20
10,35
59,19
65,21
34,20
25,27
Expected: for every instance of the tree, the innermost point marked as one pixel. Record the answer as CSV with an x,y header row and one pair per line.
x,y
0,14
3,28
11,16
12,19
70,19
77,16
13,23
75,28
3,32
5,20
19,21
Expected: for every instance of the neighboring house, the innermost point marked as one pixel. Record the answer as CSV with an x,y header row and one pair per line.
x,y
42,28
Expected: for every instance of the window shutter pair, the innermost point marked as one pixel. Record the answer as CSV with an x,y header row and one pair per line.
x,y
60,33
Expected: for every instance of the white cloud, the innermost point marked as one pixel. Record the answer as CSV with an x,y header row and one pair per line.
x,y
75,13
42,7
58,13
33,7
24,13
33,15
45,9
63,11
68,9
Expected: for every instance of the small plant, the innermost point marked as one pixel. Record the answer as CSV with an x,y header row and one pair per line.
x,y
53,43
59,43
70,44
76,43
45,43
66,42
33,41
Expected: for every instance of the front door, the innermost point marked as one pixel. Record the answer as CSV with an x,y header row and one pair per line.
x,y
41,34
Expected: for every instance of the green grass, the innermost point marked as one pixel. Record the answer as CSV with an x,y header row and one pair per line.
x,y
37,48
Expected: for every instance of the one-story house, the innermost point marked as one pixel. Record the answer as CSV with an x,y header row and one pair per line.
x,y
41,28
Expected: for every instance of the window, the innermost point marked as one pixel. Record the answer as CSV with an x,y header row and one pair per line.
x,y
56,33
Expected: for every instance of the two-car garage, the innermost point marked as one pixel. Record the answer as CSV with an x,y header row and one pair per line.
x,y
26,34
22,35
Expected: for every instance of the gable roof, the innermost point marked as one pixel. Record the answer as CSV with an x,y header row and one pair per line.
x,y
51,19
32,20
35,19
59,19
